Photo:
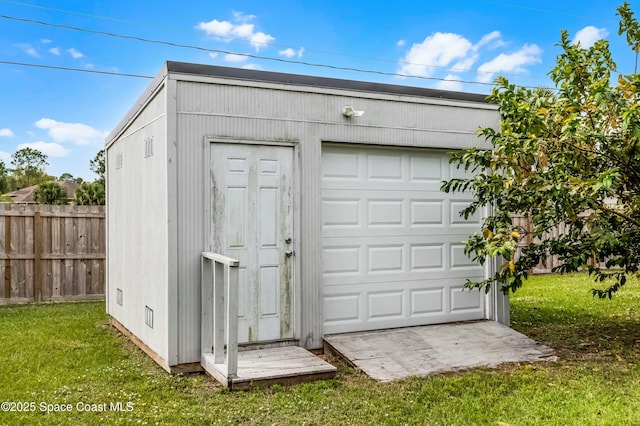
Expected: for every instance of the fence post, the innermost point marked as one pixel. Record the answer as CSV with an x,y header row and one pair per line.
x,y
7,252
37,255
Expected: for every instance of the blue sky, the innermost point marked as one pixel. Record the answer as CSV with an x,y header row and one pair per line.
x,y
448,45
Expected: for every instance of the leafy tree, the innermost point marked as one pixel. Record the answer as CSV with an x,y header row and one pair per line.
x,y
50,193
68,177
91,193
4,178
29,167
570,156
97,164
94,193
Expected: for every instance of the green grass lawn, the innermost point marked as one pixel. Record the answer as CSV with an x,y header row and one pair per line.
x,y
68,354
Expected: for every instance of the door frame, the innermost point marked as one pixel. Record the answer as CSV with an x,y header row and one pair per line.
x,y
294,145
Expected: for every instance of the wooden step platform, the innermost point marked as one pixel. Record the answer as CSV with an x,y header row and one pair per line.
x,y
265,367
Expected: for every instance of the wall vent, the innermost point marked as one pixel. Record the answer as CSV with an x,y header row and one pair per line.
x,y
148,316
119,160
119,296
148,147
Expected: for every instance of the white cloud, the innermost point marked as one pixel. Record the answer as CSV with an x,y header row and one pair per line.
x,y
488,38
445,50
260,40
55,51
46,41
90,66
465,64
216,28
290,53
78,133
241,17
231,57
5,156
589,35
243,30
7,133
28,49
437,50
227,31
508,62
52,149
493,38
213,55
75,54
450,83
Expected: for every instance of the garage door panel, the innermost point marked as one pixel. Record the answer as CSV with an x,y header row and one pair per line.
x,y
448,283
465,300
343,308
426,257
427,302
459,259
385,213
385,304
401,279
432,231
340,166
426,212
393,251
398,208
341,260
384,168
407,257
457,220
375,306
426,169
456,172
383,185
341,213
387,258
394,237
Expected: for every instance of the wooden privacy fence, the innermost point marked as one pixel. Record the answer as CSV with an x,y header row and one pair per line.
x,y
51,252
551,261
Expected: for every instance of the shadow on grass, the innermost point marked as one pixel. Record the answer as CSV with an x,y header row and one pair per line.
x,y
574,333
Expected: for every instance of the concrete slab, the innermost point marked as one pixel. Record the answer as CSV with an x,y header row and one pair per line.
x,y
393,354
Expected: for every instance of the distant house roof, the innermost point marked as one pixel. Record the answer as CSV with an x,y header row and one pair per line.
x,y
25,195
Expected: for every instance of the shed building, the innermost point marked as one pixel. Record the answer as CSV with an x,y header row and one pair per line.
x,y
326,191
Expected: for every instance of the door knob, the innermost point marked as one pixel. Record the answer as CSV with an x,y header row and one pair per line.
x,y
288,253
287,240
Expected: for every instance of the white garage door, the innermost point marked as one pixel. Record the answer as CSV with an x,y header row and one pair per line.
x,y
392,246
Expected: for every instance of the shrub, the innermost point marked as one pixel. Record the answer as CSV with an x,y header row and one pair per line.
x,y
50,193
91,194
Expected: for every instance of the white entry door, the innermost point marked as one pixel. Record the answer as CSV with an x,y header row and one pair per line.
x,y
252,213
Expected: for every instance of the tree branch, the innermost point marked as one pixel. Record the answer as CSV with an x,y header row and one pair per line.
x,y
628,218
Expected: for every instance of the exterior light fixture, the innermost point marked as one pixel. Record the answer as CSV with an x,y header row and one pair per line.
x,y
348,111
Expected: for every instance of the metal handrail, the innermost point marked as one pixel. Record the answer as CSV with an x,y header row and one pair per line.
x,y
219,273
